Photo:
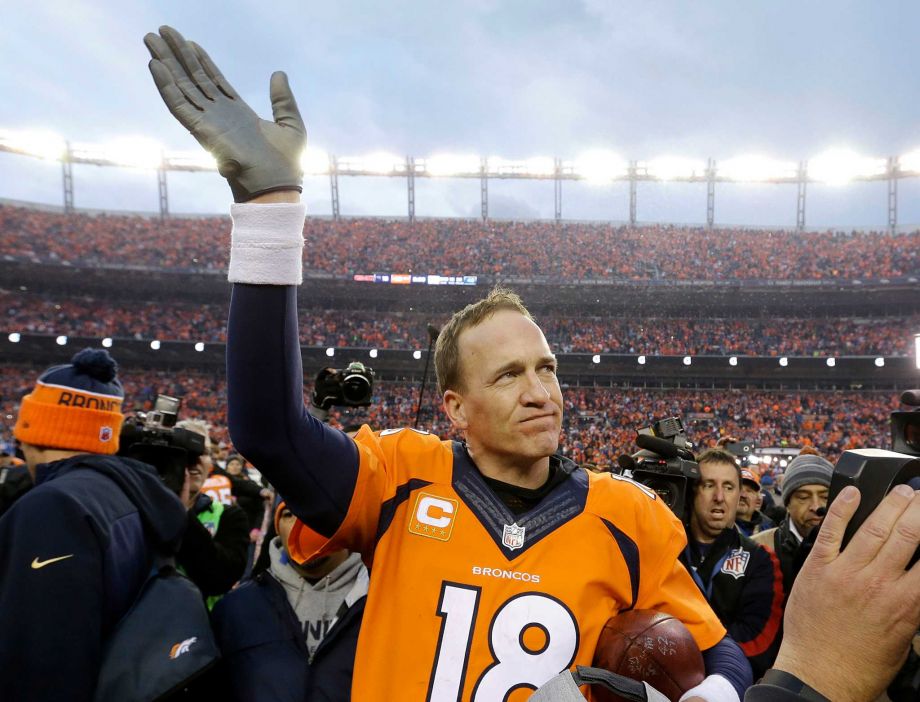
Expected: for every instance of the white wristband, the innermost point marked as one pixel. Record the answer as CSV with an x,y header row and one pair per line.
x,y
267,243
714,688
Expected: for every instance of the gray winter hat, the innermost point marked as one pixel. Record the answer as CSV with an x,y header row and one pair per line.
x,y
806,469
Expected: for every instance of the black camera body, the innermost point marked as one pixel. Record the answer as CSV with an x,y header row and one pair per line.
x,y
905,425
665,464
153,438
352,386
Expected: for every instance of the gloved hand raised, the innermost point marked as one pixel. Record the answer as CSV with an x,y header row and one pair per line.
x,y
256,156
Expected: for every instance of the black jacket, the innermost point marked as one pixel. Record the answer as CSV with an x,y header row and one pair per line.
x,y
15,482
215,563
264,656
743,584
74,552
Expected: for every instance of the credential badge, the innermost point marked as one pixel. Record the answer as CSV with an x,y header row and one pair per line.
x,y
513,536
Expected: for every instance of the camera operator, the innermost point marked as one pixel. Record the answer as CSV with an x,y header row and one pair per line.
x,y
216,544
750,519
805,489
741,579
77,548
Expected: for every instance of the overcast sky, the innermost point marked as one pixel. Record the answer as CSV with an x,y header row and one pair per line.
x,y
517,79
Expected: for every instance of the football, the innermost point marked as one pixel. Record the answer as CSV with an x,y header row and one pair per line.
x,y
652,647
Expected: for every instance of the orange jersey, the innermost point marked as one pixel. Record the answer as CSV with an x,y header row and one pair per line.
x,y
469,602
219,488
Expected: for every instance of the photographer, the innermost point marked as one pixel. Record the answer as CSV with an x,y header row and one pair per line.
x,y
76,549
741,580
750,519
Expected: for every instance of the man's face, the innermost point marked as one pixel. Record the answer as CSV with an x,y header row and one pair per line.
x,y
234,466
715,500
748,501
318,567
198,473
803,507
510,404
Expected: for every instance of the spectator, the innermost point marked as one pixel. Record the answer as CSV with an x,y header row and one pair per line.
x,y
805,488
76,549
740,579
216,544
290,633
749,519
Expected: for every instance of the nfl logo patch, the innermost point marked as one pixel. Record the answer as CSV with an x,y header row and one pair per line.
x,y
736,563
105,433
513,536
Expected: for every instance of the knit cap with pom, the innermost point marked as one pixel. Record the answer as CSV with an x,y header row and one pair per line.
x,y
75,406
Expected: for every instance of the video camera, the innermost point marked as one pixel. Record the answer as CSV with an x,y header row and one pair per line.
x,y
665,464
152,437
352,386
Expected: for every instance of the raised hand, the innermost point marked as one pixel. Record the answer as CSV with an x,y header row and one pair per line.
x,y
256,156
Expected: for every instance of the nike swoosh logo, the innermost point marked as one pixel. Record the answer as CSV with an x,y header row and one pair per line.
x,y
36,564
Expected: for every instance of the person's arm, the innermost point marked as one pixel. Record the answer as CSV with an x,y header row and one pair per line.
x,y
756,625
215,563
51,600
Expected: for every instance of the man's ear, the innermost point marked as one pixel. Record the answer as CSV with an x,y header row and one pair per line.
x,y
455,408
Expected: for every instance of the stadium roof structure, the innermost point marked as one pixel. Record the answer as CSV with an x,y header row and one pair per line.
x,y
836,167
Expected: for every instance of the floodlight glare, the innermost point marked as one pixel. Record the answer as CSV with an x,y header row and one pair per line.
x,y
674,168
441,165
61,340
596,358
14,337
539,166
107,342
155,344
756,169
600,166
641,360
373,353
783,463
417,355
733,361
840,166
314,161
199,160
784,361
39,143
909,163
687,360
831,362
330,352
199,346
377,163
879,362
130,152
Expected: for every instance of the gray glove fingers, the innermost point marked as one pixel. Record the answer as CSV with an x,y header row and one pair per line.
x,y
284,106
185,55
213,72
175,100
163,53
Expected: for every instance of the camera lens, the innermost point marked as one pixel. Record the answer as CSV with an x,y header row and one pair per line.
x,y
356,389
912,434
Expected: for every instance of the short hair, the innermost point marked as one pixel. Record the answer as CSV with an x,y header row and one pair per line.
x,y
717,455
197,426
447,351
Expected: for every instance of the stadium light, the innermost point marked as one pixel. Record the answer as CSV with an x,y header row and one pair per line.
x,y
42,144
199,346
600,166
879,362
14,337
314,161
641,360
733,361
155,344
539,166
441,165
910,162
417,355
377,163
330,352
107,342
831,362
596,358
687,360
130,152
61,340
199,160
784,361
840,166
373,353
673,168
783,463
756,169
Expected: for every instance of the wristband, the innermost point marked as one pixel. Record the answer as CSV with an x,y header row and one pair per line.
x,y
787,681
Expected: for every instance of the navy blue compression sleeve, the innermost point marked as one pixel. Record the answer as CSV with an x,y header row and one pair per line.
x,y
313,466
727,659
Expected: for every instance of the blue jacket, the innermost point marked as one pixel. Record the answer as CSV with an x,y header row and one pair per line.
x,y
74,552
264,656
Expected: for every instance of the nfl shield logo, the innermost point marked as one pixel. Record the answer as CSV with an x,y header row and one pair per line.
x,y
736,563
513,536
105,433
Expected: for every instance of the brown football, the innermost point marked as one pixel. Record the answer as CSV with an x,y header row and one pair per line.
x,y
652,647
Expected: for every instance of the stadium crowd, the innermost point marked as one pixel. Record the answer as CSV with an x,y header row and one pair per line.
x,y
539,250
406,330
